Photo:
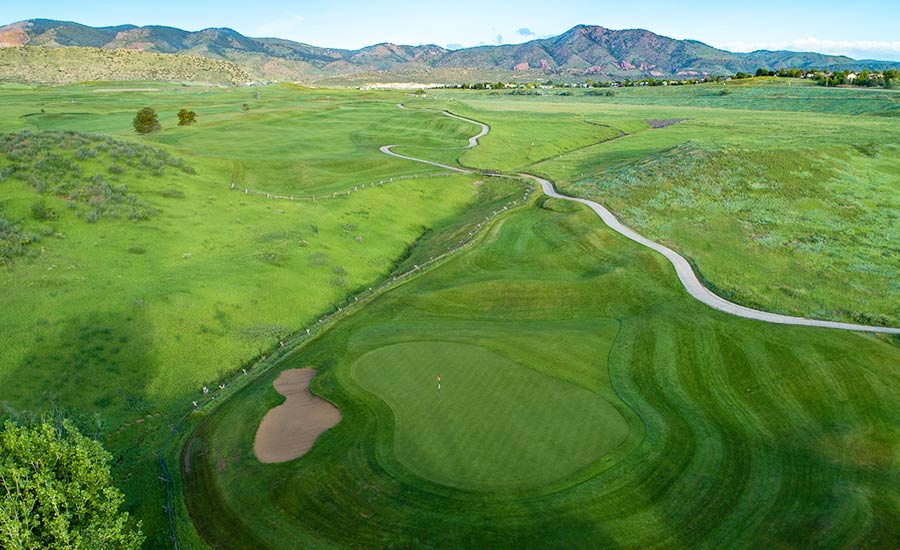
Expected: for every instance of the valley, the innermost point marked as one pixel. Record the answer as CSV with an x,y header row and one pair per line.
x,y
330,317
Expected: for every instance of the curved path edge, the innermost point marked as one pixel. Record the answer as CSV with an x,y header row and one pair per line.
x,y
683,269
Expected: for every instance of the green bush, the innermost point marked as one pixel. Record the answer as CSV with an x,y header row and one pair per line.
x,y
146,121
56,491
186,118
53,162
40,211
14,241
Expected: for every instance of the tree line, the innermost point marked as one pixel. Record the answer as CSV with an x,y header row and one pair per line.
x,y
147,121
889,78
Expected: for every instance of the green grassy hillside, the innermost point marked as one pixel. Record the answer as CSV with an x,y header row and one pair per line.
x,y
784,197
734,433
134,275
138,269
739,434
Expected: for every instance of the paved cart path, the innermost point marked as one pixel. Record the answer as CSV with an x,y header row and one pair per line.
x,y
682,267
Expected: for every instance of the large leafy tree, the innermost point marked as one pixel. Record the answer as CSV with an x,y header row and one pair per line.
x,y
56,492
146,121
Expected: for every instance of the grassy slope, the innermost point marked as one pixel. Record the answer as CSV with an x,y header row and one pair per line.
x,y
768,94
807,434
127,320
741,434
67,65
734,187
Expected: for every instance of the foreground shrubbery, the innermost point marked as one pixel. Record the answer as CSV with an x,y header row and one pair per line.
x,y
56,491
85,169
14,241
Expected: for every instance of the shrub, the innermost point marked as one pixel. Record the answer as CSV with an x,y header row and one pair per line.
x,y
93,215
40,211
146,121
84,153
13,241
186,118
50,163
271,257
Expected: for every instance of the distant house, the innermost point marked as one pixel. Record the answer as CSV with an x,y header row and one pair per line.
x,y
852,77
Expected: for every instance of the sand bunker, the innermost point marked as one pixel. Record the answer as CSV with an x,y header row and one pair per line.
x,y
289,430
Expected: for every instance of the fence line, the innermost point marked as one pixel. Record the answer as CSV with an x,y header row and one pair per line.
x,y
167,479
333,195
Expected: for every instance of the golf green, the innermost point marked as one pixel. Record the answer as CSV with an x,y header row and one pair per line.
x,y
493,424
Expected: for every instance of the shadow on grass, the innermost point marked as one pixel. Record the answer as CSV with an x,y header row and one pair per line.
x,y
96,362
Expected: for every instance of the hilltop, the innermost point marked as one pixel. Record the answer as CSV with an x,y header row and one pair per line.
x,y
73,64
583,51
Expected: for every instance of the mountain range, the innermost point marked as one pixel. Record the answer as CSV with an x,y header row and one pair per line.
x,y
585,51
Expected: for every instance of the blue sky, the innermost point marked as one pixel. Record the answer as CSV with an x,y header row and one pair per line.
x,y
861,29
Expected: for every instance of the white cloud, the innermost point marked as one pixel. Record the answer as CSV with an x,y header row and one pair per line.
x,y
524,31
284,27
853,48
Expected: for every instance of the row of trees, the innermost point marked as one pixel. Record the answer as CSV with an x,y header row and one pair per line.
x,y
869,79
147,121
483,86
886,79
784,73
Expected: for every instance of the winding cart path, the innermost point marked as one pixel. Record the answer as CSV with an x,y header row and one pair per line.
x,y
682,267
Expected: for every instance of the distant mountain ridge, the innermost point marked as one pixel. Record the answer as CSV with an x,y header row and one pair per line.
x,y
583,51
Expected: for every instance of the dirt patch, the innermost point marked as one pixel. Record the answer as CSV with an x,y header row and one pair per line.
x,y
654,123
289,430
14,35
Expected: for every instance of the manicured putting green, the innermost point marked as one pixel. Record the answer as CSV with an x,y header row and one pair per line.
x,y
494,424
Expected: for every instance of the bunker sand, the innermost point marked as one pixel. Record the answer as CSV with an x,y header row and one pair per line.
x,y
289,430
